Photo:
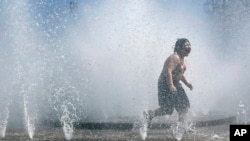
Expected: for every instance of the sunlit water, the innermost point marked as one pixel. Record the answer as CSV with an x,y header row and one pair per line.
x,y
29,120
143,129
37,84
67,121
3,122
241,117
179,129
96,60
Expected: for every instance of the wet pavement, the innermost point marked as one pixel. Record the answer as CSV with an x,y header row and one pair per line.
x,y
211,133
204,128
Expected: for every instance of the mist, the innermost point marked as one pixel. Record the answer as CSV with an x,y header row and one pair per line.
x,y
126,43
102,59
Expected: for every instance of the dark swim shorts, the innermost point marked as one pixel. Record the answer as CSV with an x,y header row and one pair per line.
x,y
169,101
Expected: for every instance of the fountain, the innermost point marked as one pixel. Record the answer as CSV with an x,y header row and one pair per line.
x,y
38,73
4,121
241,117
98,61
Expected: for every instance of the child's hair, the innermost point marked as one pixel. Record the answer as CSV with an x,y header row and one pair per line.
x,y
179,44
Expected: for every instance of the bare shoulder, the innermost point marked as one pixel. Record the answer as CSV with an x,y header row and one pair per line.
x,y
174,58
171,62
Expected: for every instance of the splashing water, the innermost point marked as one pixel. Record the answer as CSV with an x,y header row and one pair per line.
x,y
4,122
179,129
65,100
144,130
67,122
95,45
25,74
241,114
144,125
29,120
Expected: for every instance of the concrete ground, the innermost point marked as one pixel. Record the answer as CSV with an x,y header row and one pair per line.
x,y
211,133
216,129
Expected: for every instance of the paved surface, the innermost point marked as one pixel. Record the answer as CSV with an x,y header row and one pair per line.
x,y
211,133
205,130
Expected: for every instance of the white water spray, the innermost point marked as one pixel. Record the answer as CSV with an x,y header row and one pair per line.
x,y
241,117
144,130
4,116
29,119
67,122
